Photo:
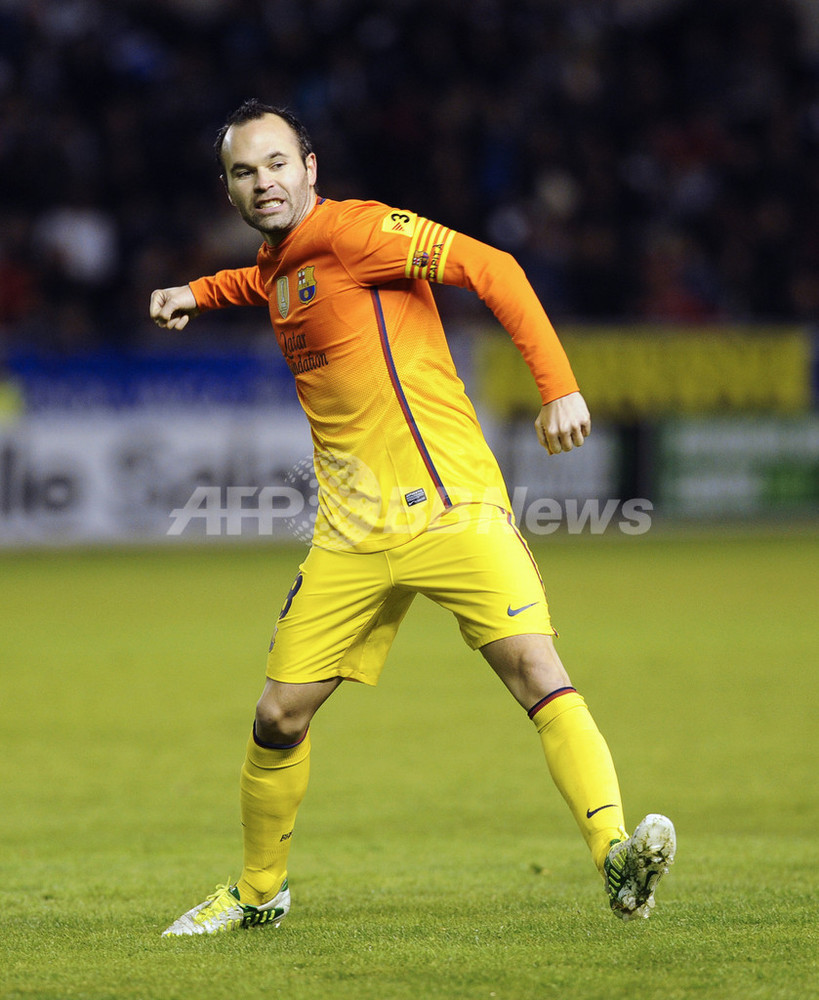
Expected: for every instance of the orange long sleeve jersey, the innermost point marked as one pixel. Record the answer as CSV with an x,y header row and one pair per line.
x,y
396,439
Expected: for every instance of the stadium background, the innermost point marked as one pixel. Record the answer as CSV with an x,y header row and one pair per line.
x,y
653,163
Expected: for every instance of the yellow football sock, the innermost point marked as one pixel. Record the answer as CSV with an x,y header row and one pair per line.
x,y
581,766
272,786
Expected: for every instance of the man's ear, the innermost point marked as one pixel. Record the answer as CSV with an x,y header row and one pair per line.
x,y
223,179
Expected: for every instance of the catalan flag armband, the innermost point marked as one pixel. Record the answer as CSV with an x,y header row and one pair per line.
x,y
428,251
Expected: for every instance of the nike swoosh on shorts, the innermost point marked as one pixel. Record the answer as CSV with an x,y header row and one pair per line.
x,y
516,611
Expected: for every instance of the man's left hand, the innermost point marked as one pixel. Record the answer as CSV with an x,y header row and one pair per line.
x,y
563,424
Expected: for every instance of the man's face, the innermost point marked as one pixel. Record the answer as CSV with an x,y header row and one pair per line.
x,y
266,178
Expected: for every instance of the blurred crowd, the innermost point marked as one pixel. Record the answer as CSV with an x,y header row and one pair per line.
x,y
643,159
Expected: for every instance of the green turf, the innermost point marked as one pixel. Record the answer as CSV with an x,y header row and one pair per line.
x,y
433,857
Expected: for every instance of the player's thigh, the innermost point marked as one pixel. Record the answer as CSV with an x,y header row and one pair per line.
x,y
338,619
484,573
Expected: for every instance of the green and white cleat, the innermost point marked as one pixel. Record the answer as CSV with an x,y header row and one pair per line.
x,y
224,911
635,866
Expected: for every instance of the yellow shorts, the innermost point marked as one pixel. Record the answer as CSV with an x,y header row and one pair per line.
x,y
344,608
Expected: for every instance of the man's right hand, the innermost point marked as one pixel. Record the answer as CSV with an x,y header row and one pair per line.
x,y
171,308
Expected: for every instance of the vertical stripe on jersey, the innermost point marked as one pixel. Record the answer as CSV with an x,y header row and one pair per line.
x,y
402,400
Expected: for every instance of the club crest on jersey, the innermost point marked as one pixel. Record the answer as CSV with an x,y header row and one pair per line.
x,y
307,284
283,296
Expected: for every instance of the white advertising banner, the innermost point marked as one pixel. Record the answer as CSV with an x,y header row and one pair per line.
x,y
119,476
149,475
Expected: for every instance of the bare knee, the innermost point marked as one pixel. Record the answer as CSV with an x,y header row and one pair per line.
x,y
528,665
284,711
279,724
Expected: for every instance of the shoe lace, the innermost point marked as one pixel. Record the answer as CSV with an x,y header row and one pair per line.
x,y
221,899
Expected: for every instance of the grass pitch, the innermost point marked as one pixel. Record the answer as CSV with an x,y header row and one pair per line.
x,y
433,857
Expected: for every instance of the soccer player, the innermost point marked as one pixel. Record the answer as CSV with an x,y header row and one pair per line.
x,y
411,499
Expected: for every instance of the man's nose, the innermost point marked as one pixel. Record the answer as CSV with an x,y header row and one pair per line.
x,y
264,179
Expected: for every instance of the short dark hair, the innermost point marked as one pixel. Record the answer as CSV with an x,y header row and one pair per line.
x,y
252,109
